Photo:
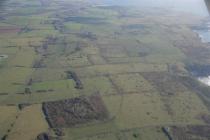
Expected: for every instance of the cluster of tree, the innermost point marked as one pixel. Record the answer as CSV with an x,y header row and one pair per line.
x,y
166,132
25,29
73,75
71,112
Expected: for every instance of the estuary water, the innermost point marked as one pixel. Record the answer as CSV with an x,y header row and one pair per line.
x,y
204,31
196,7
205,80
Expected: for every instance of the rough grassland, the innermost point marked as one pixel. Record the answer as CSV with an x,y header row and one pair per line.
x,y
30,121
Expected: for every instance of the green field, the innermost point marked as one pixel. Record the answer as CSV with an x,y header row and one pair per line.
x,y
133,59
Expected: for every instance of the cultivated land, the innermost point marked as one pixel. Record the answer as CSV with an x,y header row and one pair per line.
x,y
71,70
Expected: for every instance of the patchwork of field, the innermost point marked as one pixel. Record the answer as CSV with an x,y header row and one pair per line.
x,y
72,70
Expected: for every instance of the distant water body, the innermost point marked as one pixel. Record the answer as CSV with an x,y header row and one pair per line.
x,y
196,7
204,31
204,35
205,80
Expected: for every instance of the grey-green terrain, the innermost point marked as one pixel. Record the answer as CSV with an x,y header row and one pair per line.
x,y
97,70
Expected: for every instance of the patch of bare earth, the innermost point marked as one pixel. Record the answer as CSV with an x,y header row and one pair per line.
x,y
9,30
